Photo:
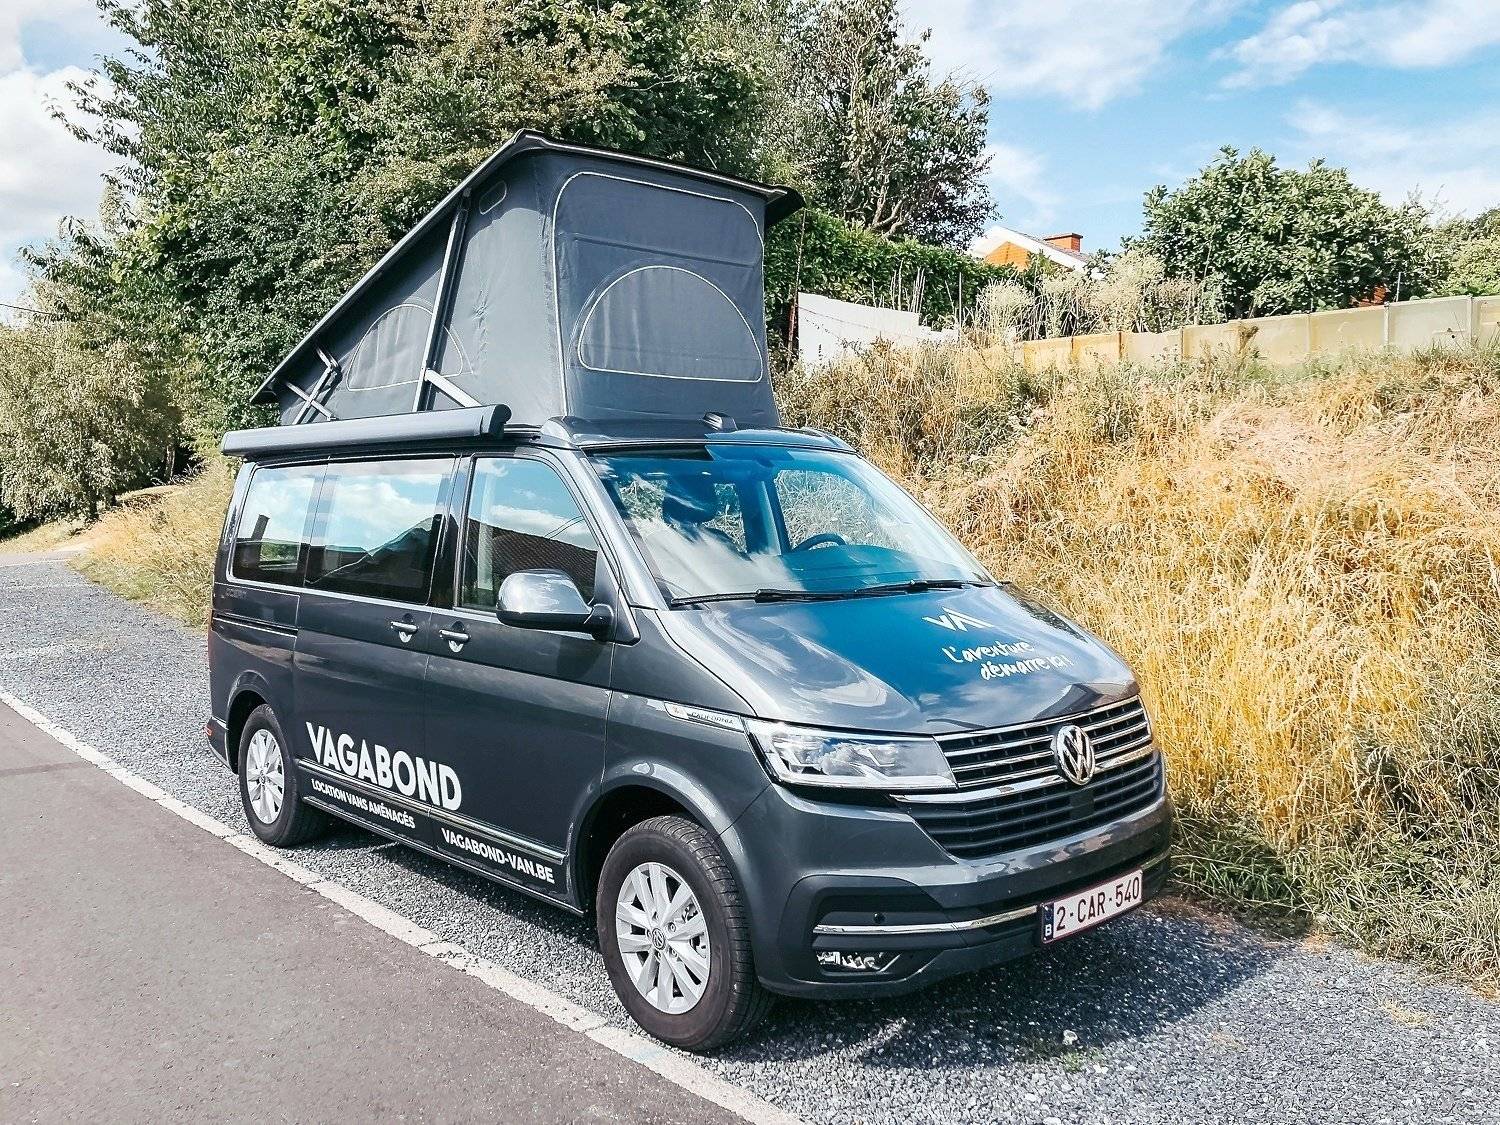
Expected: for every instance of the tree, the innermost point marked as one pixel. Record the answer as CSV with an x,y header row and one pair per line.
x,y
869,134
1283,240
272,150
77,425
1471,256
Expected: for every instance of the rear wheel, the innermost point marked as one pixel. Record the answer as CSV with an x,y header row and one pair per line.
x,y
675,938
270,789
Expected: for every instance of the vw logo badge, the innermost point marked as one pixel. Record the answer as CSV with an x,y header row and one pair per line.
x,y
1074,754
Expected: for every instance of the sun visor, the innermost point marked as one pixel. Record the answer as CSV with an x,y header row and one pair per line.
x,y
557,281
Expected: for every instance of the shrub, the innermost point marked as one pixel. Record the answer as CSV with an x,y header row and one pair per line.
x,y
77,424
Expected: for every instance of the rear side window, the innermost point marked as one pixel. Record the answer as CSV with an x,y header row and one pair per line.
x,y
522,517
273,525
380,523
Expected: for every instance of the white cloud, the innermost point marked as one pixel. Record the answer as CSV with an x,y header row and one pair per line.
x,y
1405,34
1019,181
1082,50
45,173
1454,162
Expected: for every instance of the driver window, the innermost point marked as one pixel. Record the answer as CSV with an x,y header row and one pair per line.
x,y
816,503
522,517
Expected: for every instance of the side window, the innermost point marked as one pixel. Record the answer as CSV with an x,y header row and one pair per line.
x,y
273,524
522,517
380,524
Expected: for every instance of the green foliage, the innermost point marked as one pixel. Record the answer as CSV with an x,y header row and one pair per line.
x,y
820,253
78,425
1283,240
871,136
1471,256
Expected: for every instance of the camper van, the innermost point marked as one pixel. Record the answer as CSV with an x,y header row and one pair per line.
x,y
530,578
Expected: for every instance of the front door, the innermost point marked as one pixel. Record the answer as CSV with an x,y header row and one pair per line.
x,y
361,645
519,712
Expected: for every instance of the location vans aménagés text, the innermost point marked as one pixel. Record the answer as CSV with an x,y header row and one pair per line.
x,y
529,578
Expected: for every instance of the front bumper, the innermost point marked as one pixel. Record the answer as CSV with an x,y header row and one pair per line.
x,y
822,876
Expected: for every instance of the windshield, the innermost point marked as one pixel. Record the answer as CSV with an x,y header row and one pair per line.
x,y
727,521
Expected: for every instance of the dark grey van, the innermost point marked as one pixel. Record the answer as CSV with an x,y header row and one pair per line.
x,y
721,685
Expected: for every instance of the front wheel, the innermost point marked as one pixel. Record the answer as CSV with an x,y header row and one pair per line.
x,y
675,938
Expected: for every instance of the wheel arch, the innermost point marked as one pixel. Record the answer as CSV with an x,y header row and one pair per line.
x,y
249,693
624,802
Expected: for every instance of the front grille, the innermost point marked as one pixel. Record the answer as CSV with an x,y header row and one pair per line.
x,y
1016,753
1016,798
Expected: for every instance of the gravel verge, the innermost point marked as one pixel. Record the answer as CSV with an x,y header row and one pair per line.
x,y
1169,1015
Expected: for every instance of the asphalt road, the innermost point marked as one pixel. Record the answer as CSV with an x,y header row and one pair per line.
x,y
1168,1015
150,972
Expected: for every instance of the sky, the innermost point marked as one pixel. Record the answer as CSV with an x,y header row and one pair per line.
x,y
1095,101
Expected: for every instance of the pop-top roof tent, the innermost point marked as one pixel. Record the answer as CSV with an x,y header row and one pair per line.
x,y
558,281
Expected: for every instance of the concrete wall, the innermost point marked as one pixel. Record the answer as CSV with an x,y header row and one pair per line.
x,y
1408,326
828,330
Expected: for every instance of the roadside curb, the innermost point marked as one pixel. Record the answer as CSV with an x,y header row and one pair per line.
x,y
663,1061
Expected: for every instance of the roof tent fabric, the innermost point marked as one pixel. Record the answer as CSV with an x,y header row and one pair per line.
x,y
560,281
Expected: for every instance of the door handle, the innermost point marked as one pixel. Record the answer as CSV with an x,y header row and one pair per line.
x,y
405,629
456,638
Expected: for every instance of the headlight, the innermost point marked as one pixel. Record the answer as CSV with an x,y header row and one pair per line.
x,y
805,756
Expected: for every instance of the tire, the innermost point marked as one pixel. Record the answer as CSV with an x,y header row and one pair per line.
x,y
732,1000
264,750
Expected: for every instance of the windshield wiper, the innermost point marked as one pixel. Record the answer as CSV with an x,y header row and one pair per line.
x,y
765,595
915,586
918,586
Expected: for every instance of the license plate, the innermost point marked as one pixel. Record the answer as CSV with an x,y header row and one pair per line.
x,y
1065,917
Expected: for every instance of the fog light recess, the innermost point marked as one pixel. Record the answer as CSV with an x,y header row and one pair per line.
x,y
844,961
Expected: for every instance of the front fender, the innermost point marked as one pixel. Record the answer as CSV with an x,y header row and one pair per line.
x,y
712,773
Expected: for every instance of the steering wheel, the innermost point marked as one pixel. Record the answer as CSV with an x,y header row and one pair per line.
x,y
822,539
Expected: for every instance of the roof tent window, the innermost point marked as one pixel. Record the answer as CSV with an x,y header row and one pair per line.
x,y
389,354
668,321
657,279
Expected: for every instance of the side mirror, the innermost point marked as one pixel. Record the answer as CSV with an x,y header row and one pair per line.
x,y
549,599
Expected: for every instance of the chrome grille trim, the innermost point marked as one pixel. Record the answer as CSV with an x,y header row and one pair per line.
x,y
1009,794
997,759
1078,717
954,927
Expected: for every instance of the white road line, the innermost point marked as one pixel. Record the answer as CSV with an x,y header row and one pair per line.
x,y
675,1068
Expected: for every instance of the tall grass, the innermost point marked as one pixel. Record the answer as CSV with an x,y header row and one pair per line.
x,y
160,550
1130,293
1302,569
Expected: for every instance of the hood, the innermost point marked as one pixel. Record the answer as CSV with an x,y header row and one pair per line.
x,y
933,662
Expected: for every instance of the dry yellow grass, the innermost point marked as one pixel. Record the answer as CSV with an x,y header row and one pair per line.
x,y
159,549
1301,568
43,537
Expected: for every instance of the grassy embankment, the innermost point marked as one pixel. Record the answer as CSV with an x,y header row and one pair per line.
x,y
1301,566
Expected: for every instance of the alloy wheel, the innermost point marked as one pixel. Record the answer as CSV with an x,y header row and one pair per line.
x,y
663,937
264,776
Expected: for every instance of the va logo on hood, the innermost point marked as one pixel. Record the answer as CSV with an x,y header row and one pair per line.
x,y
957,622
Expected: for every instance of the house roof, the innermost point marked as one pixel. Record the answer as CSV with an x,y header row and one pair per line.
x,y
997,236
